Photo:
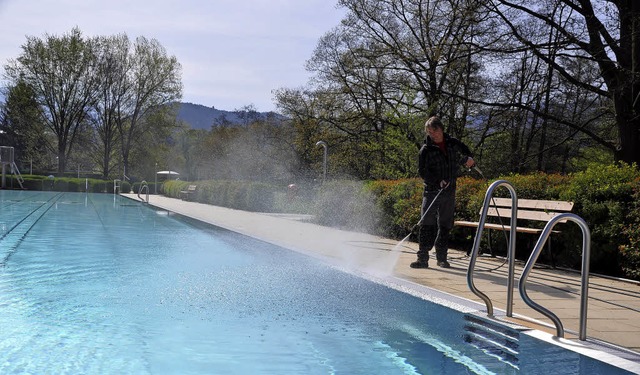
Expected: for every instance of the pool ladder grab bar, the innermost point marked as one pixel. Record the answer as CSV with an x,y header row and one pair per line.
x,y
144,186
544,236
584,285
511,252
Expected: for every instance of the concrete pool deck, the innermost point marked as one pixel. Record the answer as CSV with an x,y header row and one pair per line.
x,y
613,307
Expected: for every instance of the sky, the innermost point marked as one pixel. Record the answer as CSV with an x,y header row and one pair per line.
x,y
233,53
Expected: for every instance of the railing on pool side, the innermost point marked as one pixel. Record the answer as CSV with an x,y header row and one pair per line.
x,y
511,249
584,285
144,187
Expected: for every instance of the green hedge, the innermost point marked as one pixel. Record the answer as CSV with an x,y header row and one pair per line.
x,y
630,251
604,197
45,183
241,195
346,204
398,204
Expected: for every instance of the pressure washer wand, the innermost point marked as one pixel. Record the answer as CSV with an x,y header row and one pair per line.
x,y
428,208
475,166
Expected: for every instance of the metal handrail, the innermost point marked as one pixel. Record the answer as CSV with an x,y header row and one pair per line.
x,y
116,185
16,172
511,249
143,186
584,289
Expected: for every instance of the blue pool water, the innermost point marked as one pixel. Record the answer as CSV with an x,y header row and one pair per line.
x,y
96,284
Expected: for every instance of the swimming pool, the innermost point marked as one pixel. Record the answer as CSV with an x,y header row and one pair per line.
x,y
96,283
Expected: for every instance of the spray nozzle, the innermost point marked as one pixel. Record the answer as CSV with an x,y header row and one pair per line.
x,y
479,171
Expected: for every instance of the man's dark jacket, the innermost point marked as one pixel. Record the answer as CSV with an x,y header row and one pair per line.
x,y
435,166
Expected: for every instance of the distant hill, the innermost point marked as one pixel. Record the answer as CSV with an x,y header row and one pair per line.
x,y
202,117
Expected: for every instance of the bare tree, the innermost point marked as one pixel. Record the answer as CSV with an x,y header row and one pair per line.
x,y
112,69
401,56
600,33
153,81
548,74
389,65
60,70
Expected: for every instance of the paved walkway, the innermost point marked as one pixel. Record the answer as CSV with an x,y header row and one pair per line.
x,y
613,308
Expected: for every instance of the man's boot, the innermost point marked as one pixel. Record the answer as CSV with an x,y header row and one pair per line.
x,y
427,238
442,247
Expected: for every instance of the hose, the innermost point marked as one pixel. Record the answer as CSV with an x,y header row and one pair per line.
x,y
428,208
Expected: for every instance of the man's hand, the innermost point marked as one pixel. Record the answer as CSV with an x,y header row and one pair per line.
x,y
444,184
470,162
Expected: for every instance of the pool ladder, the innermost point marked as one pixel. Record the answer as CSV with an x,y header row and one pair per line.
x,y
117,187
494,339
16,172
586,252
144,186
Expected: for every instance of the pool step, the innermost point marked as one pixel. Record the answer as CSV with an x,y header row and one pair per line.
x,y
493,339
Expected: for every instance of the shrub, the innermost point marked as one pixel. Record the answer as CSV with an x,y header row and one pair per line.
x,y
348,205
538,185
261,197
72,184
242,195
603,196
398,205
172,188
100,186
469,197
295,198
630,252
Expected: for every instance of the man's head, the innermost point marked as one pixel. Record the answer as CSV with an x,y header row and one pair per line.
x,y
434,129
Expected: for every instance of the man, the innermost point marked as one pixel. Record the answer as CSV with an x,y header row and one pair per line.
x,y
439,162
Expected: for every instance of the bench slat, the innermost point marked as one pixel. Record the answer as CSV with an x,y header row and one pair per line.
x,y
506,227
534,204
505,213
528,209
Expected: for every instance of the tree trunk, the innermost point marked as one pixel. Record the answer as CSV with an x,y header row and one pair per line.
x,y
627,98
62,161
629,132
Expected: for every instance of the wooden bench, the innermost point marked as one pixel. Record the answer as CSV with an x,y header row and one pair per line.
x,y
186,194
528,209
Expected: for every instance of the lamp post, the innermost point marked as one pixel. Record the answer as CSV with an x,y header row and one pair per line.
x,y
324,164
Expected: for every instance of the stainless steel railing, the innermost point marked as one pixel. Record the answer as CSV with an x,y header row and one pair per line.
x,y
511,249
584,287
144,187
